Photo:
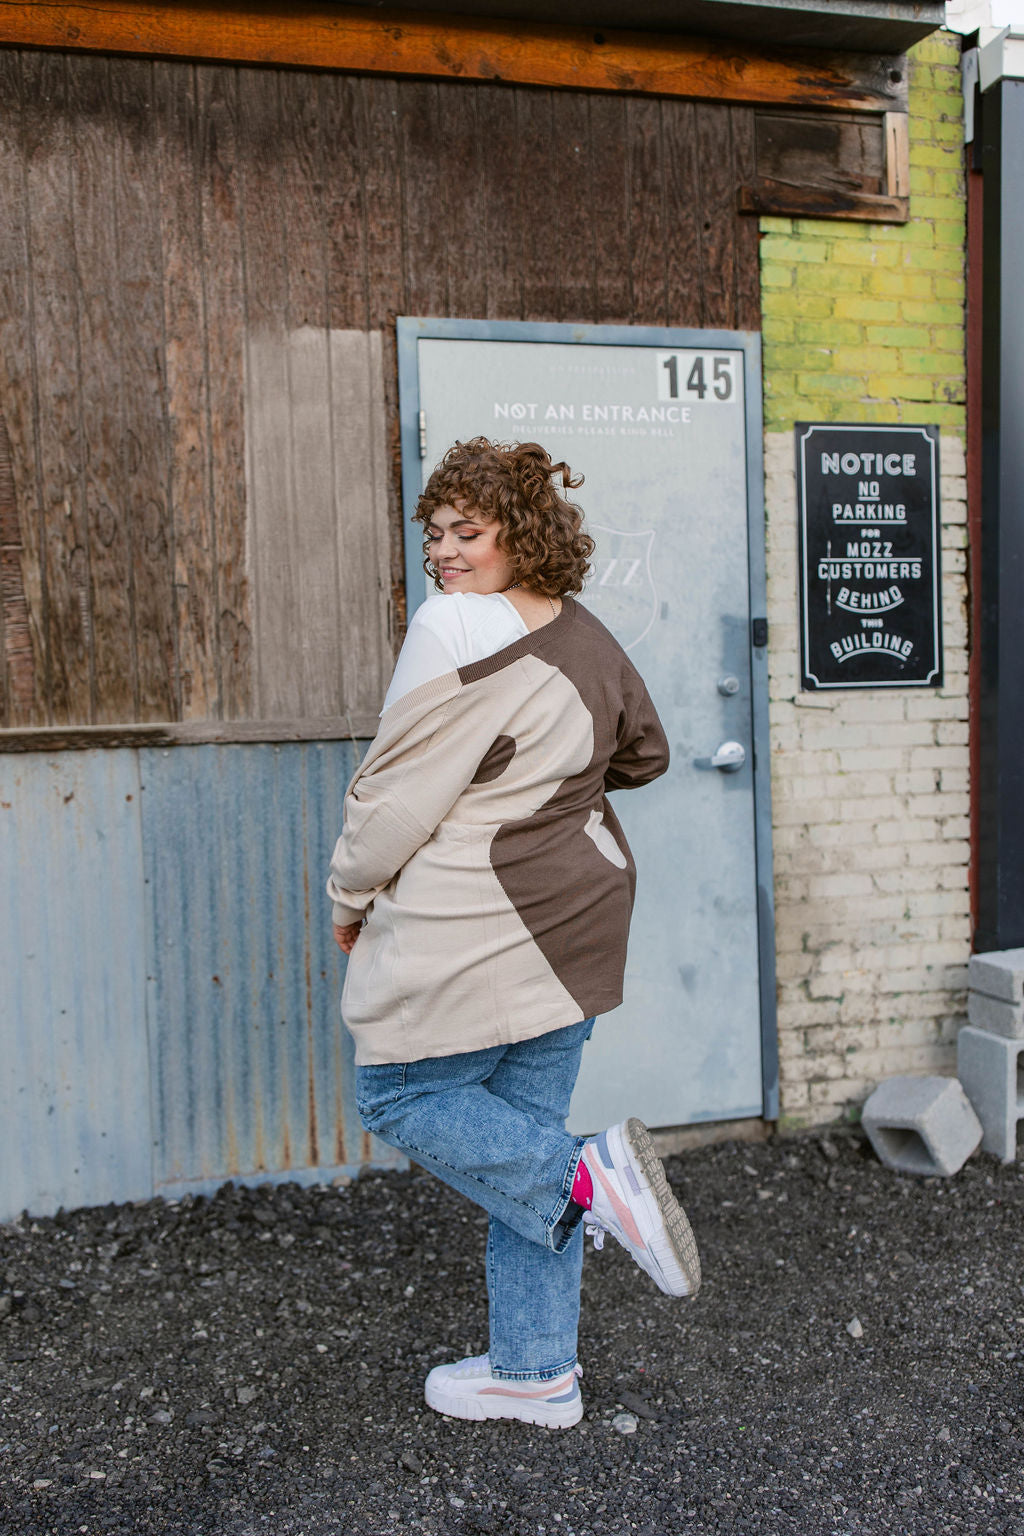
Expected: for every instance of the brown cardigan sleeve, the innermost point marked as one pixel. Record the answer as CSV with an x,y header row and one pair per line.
x,y
642,750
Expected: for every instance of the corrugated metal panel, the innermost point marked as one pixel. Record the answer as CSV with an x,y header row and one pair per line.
x,y
74,1091
252,1070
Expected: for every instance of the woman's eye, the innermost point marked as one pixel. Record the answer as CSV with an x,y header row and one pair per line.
x,y
467,538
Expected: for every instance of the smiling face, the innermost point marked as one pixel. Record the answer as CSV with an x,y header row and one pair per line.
x,y
462,545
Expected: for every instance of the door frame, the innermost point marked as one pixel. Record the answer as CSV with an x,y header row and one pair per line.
x,y
410,331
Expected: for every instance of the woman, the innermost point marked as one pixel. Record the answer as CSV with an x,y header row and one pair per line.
x,y
482,889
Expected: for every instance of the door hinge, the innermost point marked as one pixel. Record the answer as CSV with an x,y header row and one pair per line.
x,y
423,434
759,631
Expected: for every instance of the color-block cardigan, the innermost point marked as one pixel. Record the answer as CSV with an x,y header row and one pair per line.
x,y
494,877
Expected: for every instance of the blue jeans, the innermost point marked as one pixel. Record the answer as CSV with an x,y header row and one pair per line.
x,y
492,1125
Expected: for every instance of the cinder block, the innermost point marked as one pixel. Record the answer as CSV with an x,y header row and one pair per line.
x,y
1006,1019
999,973
921,1124
992,1073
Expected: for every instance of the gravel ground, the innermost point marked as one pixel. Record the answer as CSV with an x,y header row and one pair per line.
x,y
253,1363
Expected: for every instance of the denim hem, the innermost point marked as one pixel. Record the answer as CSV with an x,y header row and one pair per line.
x,y
567,1220
550,1373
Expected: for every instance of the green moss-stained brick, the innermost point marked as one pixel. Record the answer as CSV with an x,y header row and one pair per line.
x,y
863,321
829,333
897,386
810,306
862,359
916,312
913,361
783,356
898,335
875,254
947,338
775,276
857,307
899,283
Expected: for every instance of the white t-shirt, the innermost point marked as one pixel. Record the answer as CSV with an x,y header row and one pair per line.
x,y
449,631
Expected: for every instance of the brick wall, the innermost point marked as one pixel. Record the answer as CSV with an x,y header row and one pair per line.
x,y
865,322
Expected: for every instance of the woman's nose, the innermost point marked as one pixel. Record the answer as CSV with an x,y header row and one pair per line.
x,y
446,549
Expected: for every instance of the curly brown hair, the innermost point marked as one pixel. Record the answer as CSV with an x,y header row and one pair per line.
x,y
541,531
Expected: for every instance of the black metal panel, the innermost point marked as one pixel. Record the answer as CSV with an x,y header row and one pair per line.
x,y
1001,705
870,592
869,26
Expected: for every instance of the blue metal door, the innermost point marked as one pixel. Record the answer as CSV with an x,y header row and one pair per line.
x,y
665,426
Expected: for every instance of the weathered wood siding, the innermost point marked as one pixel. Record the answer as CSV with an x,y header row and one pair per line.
x,y
200,268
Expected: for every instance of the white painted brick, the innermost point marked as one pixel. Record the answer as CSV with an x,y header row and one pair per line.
x,y
866,810
840,885
862,784
939,806
936,855
922,781
936,757
878,759
918,830
951,733
937,706
871,708
954,779
951,903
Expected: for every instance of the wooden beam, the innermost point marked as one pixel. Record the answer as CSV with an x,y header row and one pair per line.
x,y
193,733
357,39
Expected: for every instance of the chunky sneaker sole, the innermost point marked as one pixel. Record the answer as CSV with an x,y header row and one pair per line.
x,y
467,1390
633,1201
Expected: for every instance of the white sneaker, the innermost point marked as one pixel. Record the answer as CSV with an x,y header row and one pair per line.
x,y
467,1390
633,1201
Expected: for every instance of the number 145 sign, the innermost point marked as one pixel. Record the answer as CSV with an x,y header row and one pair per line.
x,y
690,376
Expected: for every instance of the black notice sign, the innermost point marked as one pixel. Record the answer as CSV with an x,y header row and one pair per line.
x,y
870,606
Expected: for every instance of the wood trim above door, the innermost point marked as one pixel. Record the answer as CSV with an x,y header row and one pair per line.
x,y
355,39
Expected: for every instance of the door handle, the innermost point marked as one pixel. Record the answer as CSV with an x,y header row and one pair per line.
x,y
729,758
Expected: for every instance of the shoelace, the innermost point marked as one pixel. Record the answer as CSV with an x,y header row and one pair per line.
x,y
593,1228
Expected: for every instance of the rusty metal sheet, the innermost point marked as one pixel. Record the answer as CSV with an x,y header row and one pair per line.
x,y
74,1092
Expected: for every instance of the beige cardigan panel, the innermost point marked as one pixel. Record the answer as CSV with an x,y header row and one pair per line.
x,y
478,843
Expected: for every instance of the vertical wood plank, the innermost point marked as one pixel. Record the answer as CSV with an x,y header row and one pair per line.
x,y
609,202
462,153
683,224
343,107
143,369
718,214
359,426
313,663
570,209
268,439
496,122
52,146
424,238
538,232
386,296
94,204
22,622
361,658
190,515
219,176
747,308
647,230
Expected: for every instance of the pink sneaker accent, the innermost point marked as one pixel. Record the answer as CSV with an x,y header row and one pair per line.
x,y
618,1205
582,1192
